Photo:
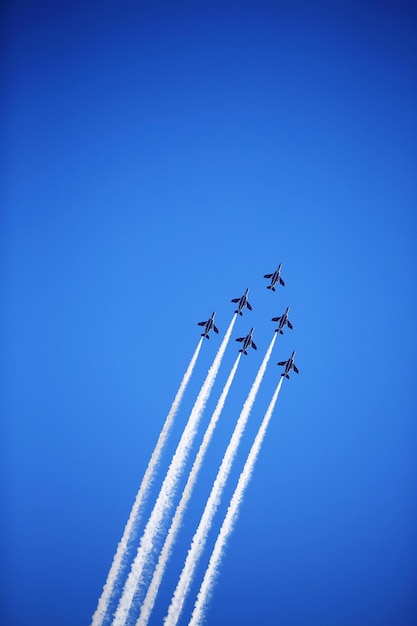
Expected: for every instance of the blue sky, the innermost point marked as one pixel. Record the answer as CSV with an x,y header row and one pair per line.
x,y
158,160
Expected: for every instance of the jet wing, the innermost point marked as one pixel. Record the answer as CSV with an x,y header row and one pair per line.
x,y
253,345
216,330
201,323
289,324
277,319
283,363
235,300
248,305
281,281
295,368
241,339
268,275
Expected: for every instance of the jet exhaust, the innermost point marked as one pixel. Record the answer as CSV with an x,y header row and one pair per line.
x,y
226,529
120,560
154,527
200,536
153,589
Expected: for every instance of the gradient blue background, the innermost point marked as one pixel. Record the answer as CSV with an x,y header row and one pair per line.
x,y
159,158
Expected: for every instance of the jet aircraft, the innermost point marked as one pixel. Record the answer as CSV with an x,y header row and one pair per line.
x,y
283,321
289,365
247,341
275,278
209,325
242,302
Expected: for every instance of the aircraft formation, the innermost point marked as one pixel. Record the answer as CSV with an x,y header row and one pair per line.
x,y
282,320
142,581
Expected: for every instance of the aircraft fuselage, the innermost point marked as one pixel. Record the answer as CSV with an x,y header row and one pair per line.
x,y
242,302
275,278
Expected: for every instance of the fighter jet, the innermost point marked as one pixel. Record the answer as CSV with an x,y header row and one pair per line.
x,y
209,326
283,321
275,278
247,341
289,365
243,301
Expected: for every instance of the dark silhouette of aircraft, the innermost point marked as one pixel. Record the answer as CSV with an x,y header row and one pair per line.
x,y
247,341
289,365
275,278
243,301
283,321
209,326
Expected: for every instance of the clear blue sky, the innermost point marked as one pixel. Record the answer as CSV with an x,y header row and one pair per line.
x,y
158,159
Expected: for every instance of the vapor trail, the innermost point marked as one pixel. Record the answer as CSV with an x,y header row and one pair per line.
x,y
152,592
200,536
164,502
232,513
120,558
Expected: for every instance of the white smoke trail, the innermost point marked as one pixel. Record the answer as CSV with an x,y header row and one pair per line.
x,y
200,536
120,558
152,592
166,495
209,579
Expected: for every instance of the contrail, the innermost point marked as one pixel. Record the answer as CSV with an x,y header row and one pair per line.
x,y
200,536
152,592
206,588
120,558
166,495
